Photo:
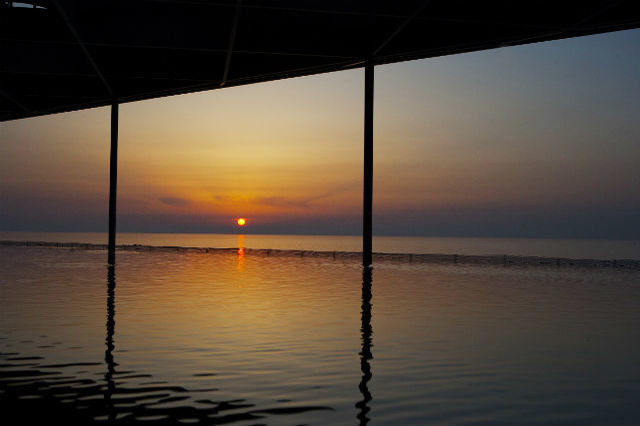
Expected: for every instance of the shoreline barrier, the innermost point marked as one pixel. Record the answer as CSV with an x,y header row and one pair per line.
x,y
435,258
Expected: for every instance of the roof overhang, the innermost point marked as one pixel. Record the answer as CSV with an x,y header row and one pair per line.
x,y
64,55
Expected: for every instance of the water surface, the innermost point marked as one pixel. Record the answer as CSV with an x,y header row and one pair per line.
x,y
209,338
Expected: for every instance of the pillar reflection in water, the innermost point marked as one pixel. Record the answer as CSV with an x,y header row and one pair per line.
x,y
365,354
108,356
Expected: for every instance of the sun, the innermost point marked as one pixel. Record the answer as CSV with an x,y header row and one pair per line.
x,y
241,221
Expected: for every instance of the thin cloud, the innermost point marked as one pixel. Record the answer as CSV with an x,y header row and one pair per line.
x,y
174,202
281,202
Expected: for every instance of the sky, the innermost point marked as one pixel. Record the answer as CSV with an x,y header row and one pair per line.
x,y
541,140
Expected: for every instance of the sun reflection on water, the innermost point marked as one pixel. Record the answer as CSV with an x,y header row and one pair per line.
x,y
240,252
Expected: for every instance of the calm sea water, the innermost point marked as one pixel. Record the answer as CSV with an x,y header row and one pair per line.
x,y
213,338
545,247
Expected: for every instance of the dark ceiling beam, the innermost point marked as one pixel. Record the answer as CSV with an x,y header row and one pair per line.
x,y
266,7
579,19
457,48
175,48
232,40
82,46
604,6
14,101
551,33
402,26
489,22
363,13
124,77
278,75
46,73
71,96
576,26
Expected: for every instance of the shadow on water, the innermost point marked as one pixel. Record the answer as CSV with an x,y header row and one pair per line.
x,y
34,392
365,354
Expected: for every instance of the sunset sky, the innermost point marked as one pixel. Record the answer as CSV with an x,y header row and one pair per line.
x,y
540,140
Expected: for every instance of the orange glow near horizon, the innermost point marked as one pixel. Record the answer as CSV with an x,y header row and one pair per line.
x,y
241,221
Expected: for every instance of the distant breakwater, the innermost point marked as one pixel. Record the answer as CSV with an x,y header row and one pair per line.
x,y
434,258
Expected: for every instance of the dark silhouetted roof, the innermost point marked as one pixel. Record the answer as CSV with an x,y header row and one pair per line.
x,y
63,55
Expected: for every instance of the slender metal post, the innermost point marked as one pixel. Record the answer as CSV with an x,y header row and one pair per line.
x,y
367,206
113,183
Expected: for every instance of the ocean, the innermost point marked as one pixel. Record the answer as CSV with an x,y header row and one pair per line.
x,y
172,336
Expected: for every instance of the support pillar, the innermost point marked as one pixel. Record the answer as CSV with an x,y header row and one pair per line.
x,y
367,207
113,184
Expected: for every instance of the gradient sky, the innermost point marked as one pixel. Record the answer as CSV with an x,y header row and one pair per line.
x,y
541,140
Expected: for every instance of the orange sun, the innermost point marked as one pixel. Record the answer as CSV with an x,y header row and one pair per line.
x,y
241,221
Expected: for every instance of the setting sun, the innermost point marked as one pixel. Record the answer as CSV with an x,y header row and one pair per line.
x,y
242,221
